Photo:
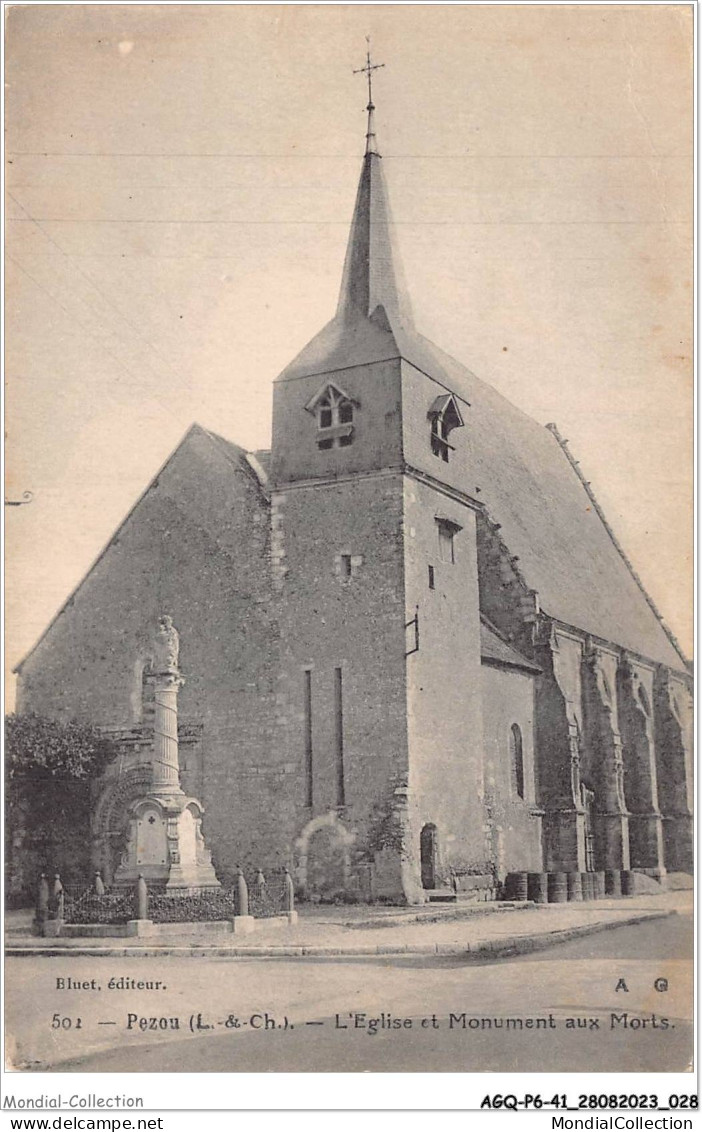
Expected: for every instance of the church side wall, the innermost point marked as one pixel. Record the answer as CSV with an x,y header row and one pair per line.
x,y
444,684
508,700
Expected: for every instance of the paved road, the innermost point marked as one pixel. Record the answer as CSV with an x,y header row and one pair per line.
x,y
610,1029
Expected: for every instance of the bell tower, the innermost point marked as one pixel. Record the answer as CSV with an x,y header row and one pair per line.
x,y
375,569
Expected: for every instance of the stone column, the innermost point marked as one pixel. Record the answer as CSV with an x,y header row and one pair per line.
x,y
635,688
165,769
165,843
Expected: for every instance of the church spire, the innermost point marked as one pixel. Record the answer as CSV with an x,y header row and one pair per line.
x,y
373,320
372,275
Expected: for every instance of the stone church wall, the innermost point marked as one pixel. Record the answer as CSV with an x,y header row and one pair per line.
x,y
377,424
196,547
346,630
508,700
418,394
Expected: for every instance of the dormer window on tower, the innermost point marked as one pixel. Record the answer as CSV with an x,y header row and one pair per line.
x,y
334,411
444,416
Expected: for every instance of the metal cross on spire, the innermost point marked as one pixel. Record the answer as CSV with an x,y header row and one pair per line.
x,y
368,70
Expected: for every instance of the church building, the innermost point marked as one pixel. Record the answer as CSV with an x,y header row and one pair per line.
x,y
413,650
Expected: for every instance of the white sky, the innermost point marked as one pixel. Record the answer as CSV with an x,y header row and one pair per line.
x,y
180,182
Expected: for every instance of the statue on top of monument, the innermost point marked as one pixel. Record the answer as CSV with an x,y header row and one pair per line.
x,y
166,644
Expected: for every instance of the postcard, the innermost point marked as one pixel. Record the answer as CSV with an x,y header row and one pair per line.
x,y
349,540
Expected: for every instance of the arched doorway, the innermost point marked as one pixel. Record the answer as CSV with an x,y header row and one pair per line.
x,y
324,858
427,855
111,818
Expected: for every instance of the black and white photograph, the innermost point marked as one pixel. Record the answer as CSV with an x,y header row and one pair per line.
x,y
349,541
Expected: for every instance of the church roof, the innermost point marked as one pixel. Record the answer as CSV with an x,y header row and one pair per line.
x,y
528,481
549,518
496,651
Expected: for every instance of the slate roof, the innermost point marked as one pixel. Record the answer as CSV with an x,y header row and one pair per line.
x,y
496,651
528,483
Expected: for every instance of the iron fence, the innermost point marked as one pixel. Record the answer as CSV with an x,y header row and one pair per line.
x,y
263,898
268,897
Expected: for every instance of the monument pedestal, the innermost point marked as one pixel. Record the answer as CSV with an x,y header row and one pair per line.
x,y
166,846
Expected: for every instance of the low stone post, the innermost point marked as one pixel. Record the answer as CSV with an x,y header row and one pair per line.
x,y
98,885
54,922
260,880
242,922
242,894
288,892
141,899
141,924
42,911
289,897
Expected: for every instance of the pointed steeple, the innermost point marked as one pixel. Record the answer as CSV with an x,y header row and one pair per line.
x,y
372,275
373,312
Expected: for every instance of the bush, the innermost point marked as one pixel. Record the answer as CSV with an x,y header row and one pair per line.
x,y
50,766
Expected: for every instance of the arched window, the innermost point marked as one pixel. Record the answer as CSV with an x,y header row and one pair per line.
x,y
644,700
516,758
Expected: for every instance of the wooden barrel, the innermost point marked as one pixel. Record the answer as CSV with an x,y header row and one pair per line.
x,y
585,880
599,885
627,882
613,882
557,888
516,886
537,887
575,886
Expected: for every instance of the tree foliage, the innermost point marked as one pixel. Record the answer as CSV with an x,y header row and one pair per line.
x,y
50,768
41,749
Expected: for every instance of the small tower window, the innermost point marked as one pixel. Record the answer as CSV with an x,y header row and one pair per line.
x,y
446,551
347,565
445,416
431,577
334,411
447,530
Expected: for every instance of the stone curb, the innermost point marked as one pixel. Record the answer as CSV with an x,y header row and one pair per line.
x,y
504,947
